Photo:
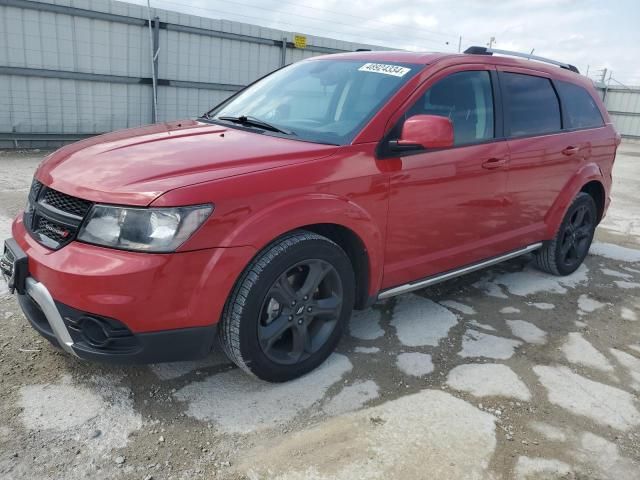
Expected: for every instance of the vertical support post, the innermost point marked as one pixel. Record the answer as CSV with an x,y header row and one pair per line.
x,y
604,75
606,88
460,44
156,50
154,78
283,52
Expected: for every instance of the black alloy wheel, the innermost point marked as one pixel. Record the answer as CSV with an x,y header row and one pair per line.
x,y
288,309
300,311
565,252
576,237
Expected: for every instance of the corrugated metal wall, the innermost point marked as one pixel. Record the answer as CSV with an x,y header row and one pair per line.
x,y
623,105
79,67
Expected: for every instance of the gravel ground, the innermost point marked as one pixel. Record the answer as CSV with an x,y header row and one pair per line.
x,y
506,373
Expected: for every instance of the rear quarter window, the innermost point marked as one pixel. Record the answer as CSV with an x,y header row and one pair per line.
x,y
580,110
532,105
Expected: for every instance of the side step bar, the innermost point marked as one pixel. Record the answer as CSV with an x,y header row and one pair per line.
x,y
427,282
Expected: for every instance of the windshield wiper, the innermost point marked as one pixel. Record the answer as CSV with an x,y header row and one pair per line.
x,y
255,122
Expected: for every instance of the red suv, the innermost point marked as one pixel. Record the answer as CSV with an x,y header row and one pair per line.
x,y
323,187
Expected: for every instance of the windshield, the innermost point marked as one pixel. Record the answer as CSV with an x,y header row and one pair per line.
x,y
324,101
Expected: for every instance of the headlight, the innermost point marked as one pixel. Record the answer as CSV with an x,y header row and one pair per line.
x,y
147,229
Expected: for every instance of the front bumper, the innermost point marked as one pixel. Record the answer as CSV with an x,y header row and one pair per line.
x,y
145,292
127,307
92,337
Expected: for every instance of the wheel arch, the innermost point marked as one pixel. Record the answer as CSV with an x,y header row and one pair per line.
x,y
595,189
339,219
589,177
357,252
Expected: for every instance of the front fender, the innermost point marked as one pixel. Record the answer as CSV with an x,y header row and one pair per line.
x,y
556,213
261,228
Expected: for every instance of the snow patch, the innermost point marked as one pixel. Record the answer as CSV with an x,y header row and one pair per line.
x,y
366,350
615,252
478,344
530,281
527,332
419,322
628,314
415,363
635,348
550,432
507,310
460,307
452,437
615,273
5,227
601,403
579,351
631,363
73,412
626,285
602,457
485,380
588,304
528,468
542,305
352,397
490,288
239,403
365,324
482,326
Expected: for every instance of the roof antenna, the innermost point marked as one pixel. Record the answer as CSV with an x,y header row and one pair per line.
x,y
531,53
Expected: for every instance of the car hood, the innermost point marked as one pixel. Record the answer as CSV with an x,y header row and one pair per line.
x,y
135,166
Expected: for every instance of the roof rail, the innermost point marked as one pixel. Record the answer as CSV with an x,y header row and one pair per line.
x,y
490,51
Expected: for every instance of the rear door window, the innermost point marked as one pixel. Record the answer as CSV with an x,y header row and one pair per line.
x,y
580,110
532,106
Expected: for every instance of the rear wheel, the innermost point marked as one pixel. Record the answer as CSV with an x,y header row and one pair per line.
x,y
567,250
287,311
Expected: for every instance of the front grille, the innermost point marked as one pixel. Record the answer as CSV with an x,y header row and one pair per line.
x,y
54,231
66,203
53,218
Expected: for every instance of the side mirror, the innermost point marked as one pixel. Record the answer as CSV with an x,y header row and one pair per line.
x,y
424,131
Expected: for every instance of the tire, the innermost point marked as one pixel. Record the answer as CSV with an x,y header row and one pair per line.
x,y
288,309
564,253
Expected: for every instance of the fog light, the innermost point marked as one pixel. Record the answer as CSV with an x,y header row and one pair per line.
x,y
94,332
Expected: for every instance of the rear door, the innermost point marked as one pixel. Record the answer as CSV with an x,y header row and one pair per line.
x,y
543,156
447,206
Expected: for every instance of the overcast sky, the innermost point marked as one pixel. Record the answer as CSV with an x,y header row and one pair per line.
x,y
597,34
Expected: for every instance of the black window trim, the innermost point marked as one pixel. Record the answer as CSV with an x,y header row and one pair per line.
x,y
382,150
505,96
563,109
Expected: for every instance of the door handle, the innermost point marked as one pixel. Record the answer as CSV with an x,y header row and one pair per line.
x,y
571,150
493,163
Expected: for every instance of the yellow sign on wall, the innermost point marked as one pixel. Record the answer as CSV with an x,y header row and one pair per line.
x,y
300,41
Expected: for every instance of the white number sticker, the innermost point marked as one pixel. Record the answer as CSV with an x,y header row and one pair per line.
x,y
394,70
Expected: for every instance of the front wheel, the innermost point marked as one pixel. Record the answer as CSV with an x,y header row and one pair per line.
x,y
563,254
286,313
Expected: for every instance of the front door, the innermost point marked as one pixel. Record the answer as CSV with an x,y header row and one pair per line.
x,y
447,207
